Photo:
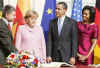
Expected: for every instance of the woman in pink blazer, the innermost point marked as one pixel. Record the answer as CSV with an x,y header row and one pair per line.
x,y
30,37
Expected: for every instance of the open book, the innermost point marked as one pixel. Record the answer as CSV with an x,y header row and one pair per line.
x,y
56,64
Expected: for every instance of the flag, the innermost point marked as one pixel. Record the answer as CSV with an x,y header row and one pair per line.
x,y
0,14
48,14
97,21
77,10
21,8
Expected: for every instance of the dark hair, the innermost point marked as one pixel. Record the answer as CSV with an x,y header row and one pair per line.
x,y
92,12
64,4
7,9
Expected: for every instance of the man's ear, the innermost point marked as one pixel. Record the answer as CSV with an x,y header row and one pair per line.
x,y
6,15
65,9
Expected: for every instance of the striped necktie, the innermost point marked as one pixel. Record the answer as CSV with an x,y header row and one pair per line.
x,y
9,27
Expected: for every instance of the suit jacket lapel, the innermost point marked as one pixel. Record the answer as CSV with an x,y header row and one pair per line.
x,y
63,28
10,34
3,22
56,27
64,25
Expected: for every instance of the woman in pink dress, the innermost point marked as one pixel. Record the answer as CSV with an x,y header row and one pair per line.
x,y
30,37
87,34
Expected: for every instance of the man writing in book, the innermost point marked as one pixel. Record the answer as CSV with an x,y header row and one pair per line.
x,y
62,37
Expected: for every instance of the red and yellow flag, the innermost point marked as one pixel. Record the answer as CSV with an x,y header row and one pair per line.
x,y
21,8
97,21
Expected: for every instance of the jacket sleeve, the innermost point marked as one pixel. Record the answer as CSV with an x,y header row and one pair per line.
x,y
43,46
49,41
74,39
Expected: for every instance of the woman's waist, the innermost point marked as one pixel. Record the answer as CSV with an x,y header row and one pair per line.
x,y
83,50
84,38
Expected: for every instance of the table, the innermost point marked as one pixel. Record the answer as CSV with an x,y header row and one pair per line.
x,y
78,66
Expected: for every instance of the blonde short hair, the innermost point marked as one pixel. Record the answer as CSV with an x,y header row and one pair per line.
x,y
29,14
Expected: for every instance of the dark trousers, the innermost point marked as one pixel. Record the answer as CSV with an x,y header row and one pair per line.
x,y
57,57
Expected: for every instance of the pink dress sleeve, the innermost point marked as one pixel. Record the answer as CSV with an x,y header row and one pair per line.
x,y
43,46
18,39
95,32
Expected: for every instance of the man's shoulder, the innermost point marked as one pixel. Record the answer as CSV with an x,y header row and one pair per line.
x,y
1,22
52,21
70,19
2,25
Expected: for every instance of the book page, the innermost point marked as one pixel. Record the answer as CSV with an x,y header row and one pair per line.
x,y
55,64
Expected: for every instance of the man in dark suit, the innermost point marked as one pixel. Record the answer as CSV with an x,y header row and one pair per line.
x,y
6,40
62,37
